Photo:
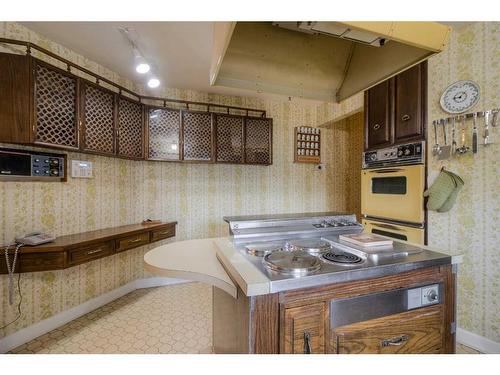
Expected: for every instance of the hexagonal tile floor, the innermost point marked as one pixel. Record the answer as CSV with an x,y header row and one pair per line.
x,y
168,319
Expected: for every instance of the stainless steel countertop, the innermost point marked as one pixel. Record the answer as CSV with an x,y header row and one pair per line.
x,y
373,266
283,216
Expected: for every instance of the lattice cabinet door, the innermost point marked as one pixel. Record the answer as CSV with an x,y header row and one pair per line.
x,y
130,129
164,134
98,119
229,140
258,141
197,136
56,114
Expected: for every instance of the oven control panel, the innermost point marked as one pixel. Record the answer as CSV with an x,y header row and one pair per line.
x,y
18,164
419,297
410,153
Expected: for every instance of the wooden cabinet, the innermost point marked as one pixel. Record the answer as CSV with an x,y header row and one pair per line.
x,y
164,132
197,136
418,331
55,107
378,116
98,113
44,105
130,129
410,104
230,138
258,140
304,329
395,110
130,242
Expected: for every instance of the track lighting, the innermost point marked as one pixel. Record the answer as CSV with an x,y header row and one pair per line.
x,y
141,65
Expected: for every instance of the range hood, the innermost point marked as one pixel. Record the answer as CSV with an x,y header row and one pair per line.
x,y
328,61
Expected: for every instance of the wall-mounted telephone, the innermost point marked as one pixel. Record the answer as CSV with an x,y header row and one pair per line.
x,y
35,238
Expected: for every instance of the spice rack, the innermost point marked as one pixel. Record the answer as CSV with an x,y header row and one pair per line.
x,y
307,145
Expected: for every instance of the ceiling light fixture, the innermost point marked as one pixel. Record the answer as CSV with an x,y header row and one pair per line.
x,y
154,82
141,65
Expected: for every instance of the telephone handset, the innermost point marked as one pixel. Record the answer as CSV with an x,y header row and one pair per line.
x,y
35,238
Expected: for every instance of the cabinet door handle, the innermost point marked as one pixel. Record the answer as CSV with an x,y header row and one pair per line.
x,y
95,251
395,341
136,240
376,127
307,342
405,117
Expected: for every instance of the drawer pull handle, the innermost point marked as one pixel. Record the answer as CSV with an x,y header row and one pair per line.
x,y
395,341
376,127
307,343
405,117
164,233
95,251
136,240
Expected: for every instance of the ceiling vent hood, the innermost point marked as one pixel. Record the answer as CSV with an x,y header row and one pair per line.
x,y
328,61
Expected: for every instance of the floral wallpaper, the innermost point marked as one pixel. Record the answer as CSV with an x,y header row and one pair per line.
x,y
471,227
124,192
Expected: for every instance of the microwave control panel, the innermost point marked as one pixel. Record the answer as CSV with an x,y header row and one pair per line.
x,y
17,164
410,153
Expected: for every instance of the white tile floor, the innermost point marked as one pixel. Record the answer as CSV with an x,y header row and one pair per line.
x,y
169,319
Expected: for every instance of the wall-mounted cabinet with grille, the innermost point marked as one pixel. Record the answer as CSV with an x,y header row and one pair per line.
x,y
98,112
55,107
258,141
230,137
43,105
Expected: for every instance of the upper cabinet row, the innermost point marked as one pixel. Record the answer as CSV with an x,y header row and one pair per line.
x,y
47,106
395,110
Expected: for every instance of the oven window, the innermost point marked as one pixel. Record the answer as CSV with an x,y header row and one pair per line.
x,y
389,185
390,234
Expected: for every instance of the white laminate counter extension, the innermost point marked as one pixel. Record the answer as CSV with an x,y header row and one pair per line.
x,y
190,260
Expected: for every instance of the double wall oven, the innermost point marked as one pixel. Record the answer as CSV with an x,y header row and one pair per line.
x,y
392,186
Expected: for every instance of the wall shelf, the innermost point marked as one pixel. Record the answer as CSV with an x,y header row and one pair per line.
x,y
307,145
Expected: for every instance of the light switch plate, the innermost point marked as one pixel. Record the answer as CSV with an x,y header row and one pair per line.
x,y
81,169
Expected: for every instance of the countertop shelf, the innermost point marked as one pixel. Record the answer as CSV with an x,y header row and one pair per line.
x,y
70,250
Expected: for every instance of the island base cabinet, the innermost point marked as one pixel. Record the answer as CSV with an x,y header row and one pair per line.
x,y
417,331
304,329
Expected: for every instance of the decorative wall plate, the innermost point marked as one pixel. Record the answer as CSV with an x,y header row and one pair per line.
x,y
460,96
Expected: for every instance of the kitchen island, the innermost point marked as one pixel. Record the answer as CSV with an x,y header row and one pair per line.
x,y
384,303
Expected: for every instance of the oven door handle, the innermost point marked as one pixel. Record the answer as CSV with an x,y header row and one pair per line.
x,y
392,170
388,226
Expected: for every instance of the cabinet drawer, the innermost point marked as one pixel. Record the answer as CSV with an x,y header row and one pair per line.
x,y
304,330
132,241
33,262
88,253
160,234
411,332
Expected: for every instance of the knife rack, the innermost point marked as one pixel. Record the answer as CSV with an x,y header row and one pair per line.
x,y
463,131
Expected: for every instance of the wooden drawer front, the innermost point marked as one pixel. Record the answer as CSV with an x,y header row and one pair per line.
x,y
411,332
32,262
132,241
304,330
88,253
160,234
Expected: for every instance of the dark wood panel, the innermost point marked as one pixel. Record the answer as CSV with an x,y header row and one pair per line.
x,y
413,332
34,262
303,329
408,104
378,124
15,93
